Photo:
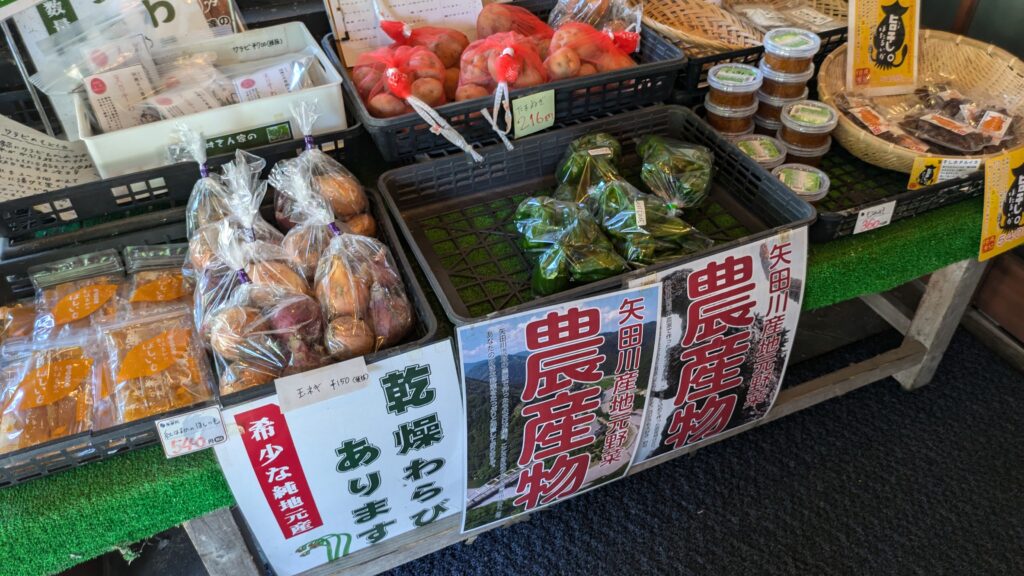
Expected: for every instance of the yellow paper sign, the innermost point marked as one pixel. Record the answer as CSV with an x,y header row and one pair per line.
x,y
930,171
1002,228
881,56
533,113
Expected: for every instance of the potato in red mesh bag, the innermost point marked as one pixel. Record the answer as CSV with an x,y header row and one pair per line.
x,y
579,49
497,63
495,18
395,80
446,43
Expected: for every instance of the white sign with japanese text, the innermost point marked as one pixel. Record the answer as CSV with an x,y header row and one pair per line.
x,y
727,327
554,400
323,480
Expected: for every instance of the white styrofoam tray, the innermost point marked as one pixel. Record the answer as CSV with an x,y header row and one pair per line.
x,y
147,146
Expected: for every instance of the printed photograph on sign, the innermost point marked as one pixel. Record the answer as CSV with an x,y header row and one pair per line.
x,y
326,479
554,400
728,325
1002,225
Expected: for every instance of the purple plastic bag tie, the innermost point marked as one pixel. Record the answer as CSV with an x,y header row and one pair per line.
x,y
309,142
204,172
243,277
334,229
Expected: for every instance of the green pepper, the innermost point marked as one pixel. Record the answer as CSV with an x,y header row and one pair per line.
x,y
677,172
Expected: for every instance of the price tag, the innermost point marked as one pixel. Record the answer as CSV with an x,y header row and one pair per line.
x,y
533,113
321,384
192,432
641,213
874,217
930,171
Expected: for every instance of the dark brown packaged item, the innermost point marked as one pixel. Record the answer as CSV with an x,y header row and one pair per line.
x,y
730,120
807,124
790,50
784,85
733,85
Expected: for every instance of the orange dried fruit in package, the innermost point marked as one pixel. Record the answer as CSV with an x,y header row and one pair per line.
x,y
74,293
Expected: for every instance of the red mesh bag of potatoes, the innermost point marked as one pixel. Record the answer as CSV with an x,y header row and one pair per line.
x,y
579,49
495,18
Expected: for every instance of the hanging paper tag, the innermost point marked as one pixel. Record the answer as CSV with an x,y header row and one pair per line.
x,y
641,213
533,113
192,432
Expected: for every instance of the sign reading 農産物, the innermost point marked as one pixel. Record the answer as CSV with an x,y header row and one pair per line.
x,y
727,328
554,400
348,461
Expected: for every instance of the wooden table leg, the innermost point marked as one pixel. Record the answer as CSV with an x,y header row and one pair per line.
x,y
219,542
949,292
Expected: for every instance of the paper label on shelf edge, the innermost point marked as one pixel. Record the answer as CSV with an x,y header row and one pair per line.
x,y
314,386
874,217
191,432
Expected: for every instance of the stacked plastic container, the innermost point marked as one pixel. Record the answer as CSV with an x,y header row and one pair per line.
x,y
787,67
732,98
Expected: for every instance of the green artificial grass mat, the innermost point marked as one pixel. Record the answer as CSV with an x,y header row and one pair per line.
x,y
53,523
884,259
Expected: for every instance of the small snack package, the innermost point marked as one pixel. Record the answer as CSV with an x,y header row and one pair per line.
x,y
566,244
46,389
74,293
155,278
315,170
17,322
588,160
156,364
578,49
268,323
362,296
642,226
677,172
396,80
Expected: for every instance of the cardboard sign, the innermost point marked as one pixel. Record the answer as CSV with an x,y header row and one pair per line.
x,y
326,479
930,171
881,57
1002,227
533,113
554,400
727,326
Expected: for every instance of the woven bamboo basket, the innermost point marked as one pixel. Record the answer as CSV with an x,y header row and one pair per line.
x,y
968,65
701,28
834,8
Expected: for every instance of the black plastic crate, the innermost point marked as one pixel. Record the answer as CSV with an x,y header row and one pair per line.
x,y
27,223
403,138
692,82
457,216
159,228
856,185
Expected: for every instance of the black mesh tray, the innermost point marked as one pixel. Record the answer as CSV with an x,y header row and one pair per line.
x,y
27,223
856,185
403,138
692,82
159,228
457,216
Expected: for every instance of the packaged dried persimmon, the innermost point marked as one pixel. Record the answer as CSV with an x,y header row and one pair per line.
x,y
74,293
16,322
155,280
46,390
156,364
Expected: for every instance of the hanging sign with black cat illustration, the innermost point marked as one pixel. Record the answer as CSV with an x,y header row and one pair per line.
x,y
1002,227
882,57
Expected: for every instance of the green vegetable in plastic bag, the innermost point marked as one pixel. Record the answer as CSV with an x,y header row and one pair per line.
x,y
642,226
587,161
678,172
566,244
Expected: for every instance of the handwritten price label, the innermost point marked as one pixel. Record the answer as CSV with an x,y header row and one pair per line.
x,y
533,113
874,217
307,388
192,432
